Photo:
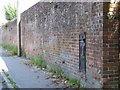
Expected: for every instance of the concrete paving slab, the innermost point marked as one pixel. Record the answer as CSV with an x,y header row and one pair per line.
x,y
4,52
26,77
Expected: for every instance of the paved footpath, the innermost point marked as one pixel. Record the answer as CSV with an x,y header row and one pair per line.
x,y
24,75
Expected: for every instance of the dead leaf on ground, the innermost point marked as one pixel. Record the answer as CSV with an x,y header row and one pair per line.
x,y
55,81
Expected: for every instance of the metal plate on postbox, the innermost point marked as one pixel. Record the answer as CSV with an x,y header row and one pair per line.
x,y
82,52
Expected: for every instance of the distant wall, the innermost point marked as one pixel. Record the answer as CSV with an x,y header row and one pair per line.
x,y
9,33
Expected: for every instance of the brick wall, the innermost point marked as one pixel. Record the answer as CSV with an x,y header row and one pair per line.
x,y
52,29
8,33
110,51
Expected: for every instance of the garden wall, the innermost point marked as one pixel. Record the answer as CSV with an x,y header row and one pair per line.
x,y
8,33
54,31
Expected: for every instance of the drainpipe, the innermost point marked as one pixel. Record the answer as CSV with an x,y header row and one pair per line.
x,y
18,30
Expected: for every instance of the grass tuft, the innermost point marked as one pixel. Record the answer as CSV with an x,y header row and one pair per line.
x,y
23,54
39,61
11,48
55,68
73,82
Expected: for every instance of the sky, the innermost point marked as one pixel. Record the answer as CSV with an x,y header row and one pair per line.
x,y
23,5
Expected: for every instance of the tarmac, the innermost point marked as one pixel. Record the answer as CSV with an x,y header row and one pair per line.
x,y
26,76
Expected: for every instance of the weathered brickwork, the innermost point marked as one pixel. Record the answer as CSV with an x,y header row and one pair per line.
x,y
111,51
8,33
52,30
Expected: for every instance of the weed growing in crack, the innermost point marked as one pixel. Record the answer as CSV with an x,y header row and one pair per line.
x,y
23,54
11,48
55,68
39,61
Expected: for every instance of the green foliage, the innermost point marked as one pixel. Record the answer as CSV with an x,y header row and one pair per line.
x,y
72,81
39,61
10,12
55,68
3,81
10,80
11,48
0,46
23,54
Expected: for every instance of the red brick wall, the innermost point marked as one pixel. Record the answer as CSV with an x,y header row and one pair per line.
x,y
110,51
52,29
